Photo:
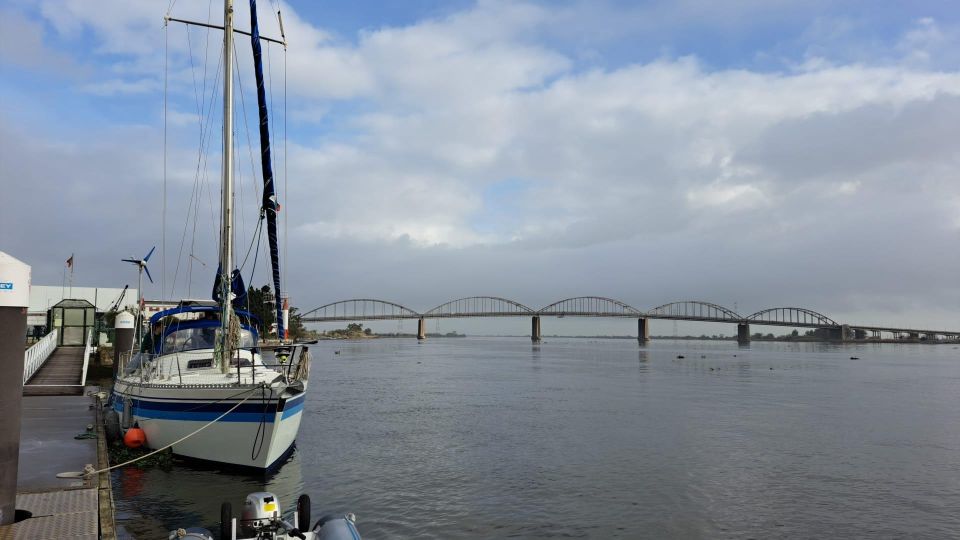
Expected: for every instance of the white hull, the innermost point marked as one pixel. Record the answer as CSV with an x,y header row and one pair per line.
x,y
258,433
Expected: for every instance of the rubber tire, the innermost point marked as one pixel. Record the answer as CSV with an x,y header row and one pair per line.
x,y
226,519
303,512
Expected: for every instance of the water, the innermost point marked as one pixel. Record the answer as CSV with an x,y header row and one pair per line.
x,y
495,438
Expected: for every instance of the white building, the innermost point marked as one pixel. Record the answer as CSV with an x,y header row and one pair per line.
x,y
43,297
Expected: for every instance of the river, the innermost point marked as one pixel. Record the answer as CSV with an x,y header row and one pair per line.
x,y
603,438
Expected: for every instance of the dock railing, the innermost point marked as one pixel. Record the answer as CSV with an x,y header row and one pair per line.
x,y
36,355
86,357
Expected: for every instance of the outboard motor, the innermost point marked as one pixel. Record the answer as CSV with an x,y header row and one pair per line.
x,y
260,510
261,520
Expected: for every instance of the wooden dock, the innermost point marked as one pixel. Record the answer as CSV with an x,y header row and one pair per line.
x,y
60,375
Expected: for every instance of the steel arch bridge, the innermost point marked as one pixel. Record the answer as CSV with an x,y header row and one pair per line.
x,y
478,306
369,309
589,306
694,310
791,316
359,309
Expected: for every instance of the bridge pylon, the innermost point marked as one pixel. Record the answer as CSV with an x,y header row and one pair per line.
x,y
535,335
643,330
421,329
743,333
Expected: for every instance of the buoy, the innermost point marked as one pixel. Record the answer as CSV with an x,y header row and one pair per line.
x,y
134,437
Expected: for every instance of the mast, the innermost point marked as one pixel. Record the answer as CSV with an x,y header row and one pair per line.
x,y
226,227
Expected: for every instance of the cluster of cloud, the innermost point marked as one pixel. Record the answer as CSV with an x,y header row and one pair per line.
x,y
477,148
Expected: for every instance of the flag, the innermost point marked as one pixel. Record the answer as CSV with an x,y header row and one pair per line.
x,y
70,262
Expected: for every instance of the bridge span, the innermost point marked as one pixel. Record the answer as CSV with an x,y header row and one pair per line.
x,y
368,309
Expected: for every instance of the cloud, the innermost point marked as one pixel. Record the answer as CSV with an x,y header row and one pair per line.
x,y
115,87
22,44
478,152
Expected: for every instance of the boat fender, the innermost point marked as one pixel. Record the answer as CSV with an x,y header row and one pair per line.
x,y
111,425
134,437
127,417
336,528
193,533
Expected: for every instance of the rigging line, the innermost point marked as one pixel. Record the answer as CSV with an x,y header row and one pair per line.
x,y
193,243
201,178
246,124
163,219
286,209
256,255
206,50
262,427
256,236
197,190
193,73
236,147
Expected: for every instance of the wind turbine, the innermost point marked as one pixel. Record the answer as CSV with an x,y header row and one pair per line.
x,y
141,268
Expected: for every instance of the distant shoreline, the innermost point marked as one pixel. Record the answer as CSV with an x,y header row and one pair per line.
x,y
657,338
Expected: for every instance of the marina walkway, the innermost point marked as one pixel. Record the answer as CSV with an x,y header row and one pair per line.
x,y
61,508
60,375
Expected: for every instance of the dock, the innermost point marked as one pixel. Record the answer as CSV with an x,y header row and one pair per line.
x,y
80,508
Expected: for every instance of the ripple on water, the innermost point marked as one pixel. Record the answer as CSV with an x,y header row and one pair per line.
x,y
491,438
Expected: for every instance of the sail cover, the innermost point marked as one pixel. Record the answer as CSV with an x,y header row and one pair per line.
x,y
270,207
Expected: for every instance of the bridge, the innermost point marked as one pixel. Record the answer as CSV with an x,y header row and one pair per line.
x,y
367,309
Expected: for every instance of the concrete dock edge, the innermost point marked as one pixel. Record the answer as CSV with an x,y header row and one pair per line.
x,y
104,486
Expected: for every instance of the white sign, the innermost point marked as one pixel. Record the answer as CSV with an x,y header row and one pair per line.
x,y
14,282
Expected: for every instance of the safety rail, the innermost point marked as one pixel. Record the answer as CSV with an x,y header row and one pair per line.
x,y
149,369
88,348
36,355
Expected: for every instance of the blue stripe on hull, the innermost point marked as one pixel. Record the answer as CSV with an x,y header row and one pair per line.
x,y
289,410
205,412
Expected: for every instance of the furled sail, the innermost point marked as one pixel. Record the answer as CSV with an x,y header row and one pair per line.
x,y
270,206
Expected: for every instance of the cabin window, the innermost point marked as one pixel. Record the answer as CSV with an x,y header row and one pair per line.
x,y
196,364
190,339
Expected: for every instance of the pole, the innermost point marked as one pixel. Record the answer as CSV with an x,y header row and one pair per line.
x,y
141,304
226,226
14,300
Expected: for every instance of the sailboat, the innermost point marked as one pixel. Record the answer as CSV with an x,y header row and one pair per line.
x,y
202,387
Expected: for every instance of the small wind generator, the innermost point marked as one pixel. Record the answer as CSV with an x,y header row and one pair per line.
x,y
141,268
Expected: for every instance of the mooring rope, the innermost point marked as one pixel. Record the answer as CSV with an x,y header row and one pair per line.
x,y
88,469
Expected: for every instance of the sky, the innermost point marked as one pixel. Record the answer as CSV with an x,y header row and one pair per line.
x,y
748,153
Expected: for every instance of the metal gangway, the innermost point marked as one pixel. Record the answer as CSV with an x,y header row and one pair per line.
x,y
50,370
